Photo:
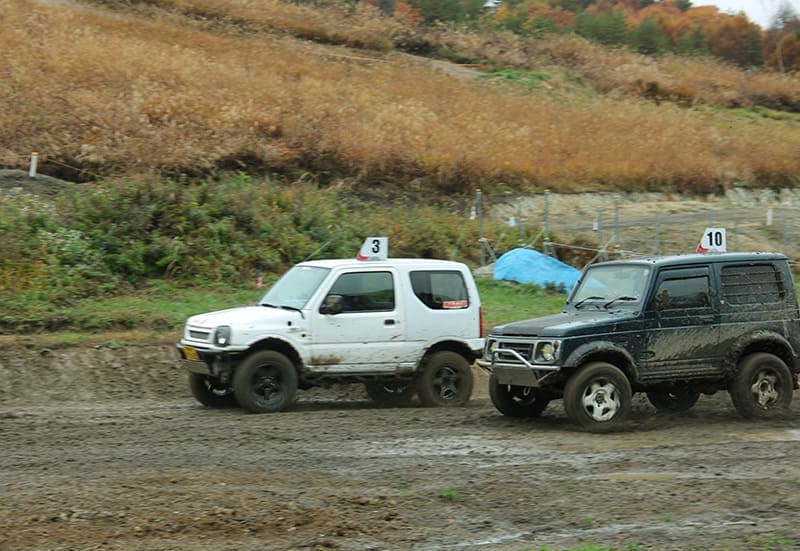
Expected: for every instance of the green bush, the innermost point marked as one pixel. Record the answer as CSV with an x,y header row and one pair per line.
x,y
102,239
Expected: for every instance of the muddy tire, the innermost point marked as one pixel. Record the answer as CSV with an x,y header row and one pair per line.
x,y
266,381
210,392
517,401
598,397
391,394
446,380
674,398
762,386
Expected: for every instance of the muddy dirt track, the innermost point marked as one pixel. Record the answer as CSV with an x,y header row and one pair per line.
x,y
103,448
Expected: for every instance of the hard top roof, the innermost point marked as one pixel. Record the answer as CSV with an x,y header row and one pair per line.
x,y
698,258
422,263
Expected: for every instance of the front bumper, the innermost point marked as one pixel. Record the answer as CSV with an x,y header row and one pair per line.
x,y
205,361
520,372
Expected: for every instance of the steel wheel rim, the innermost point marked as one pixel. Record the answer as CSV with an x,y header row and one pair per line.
x,y
765,389
446,382
601,400
267,384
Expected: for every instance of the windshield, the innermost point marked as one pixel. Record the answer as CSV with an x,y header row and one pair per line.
x,y
623,283
295,288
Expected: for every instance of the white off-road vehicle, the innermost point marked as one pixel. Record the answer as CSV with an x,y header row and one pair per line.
x,y
399,326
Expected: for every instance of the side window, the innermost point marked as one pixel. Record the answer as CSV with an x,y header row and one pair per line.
x,y
440,289
365,291
752,284
689,292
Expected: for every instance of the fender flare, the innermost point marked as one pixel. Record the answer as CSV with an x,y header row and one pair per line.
x,y
770,341
603,349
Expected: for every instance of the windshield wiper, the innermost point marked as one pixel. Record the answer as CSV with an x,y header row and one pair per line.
x,y
593,297
293,309
284,307
623,297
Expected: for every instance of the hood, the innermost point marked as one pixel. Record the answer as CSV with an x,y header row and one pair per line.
x,y
566,324
244,317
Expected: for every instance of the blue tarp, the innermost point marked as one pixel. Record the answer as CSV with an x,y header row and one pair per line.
x,y
529,266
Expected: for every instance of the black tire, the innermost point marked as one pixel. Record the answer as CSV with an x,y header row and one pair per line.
x,y
390,393
210,391
517,401
673,398
762,386
445,380
266,381
598,397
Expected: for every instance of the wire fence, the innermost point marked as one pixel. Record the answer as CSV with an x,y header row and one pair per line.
x,y
609,232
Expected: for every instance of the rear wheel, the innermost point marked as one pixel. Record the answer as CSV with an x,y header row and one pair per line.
x,y
210,391
266,381
598,397
674,398
762,386
445,380
392,393
517,401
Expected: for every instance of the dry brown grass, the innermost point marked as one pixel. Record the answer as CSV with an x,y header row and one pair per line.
x,y
127,94
685,80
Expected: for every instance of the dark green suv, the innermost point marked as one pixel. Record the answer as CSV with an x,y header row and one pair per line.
x,y
673,327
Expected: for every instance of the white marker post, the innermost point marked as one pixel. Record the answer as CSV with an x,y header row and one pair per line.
x,y
34,164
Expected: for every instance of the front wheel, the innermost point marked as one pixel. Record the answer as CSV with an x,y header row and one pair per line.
x,y
391,394
445,380
266,381
210,391
598,397
762,386
517,401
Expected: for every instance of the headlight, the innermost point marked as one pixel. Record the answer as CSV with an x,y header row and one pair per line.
x,y
222,335
547,351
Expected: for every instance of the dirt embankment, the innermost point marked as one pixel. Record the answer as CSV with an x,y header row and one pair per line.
x,y
103,448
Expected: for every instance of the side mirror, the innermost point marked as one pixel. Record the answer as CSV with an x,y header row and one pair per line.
x,y
331,305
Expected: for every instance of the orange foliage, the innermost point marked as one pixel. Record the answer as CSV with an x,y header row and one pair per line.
x,y
406,14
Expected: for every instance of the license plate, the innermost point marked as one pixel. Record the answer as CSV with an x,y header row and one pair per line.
x,y
191,353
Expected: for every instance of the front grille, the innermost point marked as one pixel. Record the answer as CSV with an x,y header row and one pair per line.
x,y
523,349
204,336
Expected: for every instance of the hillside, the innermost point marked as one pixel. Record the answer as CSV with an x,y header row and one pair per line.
x,y
197,88
209,143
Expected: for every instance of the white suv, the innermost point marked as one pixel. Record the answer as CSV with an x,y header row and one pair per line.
x,y
400,326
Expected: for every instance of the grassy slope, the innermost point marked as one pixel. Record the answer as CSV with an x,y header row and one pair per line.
x,y
197,86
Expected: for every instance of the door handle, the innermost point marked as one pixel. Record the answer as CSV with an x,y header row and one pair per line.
x,y
388,322
706,319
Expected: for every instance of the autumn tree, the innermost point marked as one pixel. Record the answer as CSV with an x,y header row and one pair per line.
x,y
605,28
782,43
648,39
738,40
693,43
448,10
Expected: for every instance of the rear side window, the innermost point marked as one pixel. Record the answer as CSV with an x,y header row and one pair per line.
x,y
752,284
440,289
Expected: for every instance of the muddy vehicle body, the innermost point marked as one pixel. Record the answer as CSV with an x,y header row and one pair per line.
x,y
672,327
402,327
